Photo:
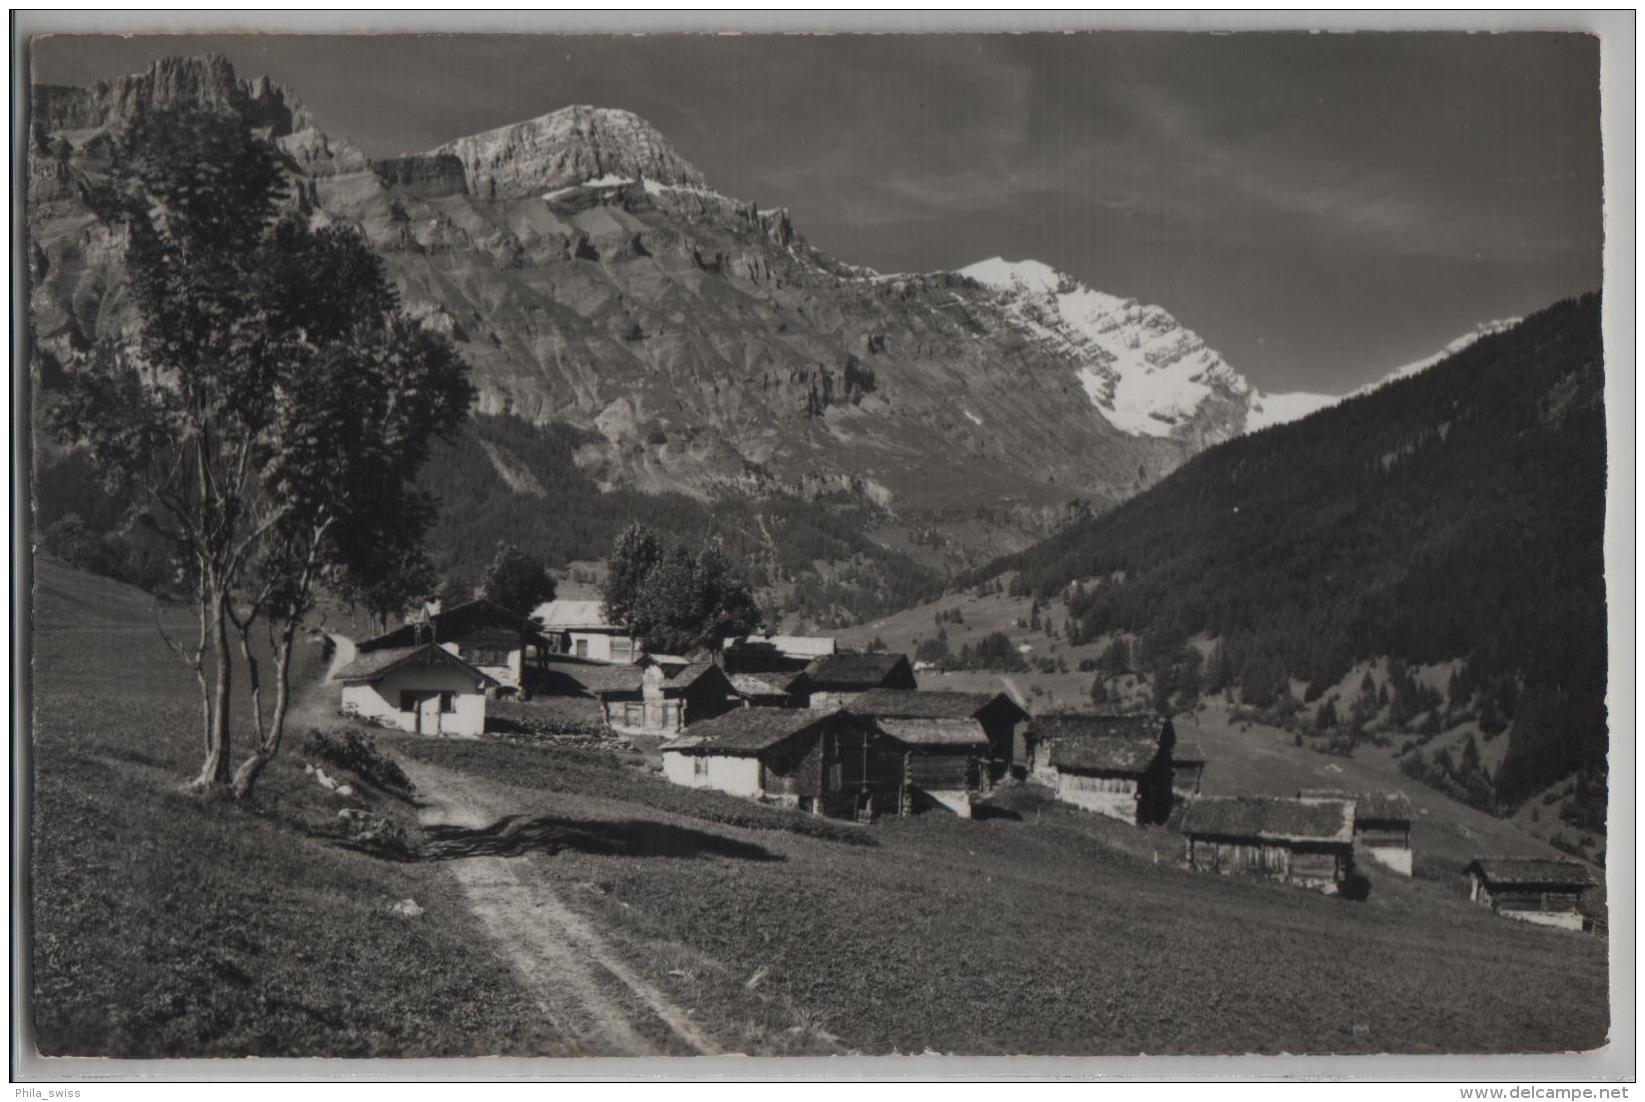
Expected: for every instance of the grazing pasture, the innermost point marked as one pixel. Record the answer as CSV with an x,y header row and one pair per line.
x,y
164,924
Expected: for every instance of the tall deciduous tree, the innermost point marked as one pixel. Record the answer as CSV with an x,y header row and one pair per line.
x,y
636,551
272,411
516,581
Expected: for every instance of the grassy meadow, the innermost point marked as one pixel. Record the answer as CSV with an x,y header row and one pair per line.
x,y
165,924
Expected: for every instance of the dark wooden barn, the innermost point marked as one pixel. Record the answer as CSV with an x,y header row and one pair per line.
x,y
1115,765
1548,892
817,762
838,679
1304,842
505,646
1002,720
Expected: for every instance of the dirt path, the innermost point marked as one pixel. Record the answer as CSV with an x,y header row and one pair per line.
x,y
584,989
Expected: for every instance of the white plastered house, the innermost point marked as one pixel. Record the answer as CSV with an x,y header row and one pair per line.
x,y
424,689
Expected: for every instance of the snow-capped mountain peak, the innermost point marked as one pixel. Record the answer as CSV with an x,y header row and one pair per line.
x,y
1143,371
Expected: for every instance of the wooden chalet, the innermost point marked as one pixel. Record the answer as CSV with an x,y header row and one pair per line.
x,y
1548,892
816,762
775,653
1187,769
836,680
580,629
1004,722
424,689
1305,842
504,645
1115,765
1382,824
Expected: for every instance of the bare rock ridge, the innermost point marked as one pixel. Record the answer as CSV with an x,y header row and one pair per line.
x,y
564,148
591,276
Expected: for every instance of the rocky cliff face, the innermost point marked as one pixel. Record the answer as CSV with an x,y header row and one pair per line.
x,y
589,275
571,146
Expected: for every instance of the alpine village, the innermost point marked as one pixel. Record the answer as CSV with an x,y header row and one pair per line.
x,y
591,620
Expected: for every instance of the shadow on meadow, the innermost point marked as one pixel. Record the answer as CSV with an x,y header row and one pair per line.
x,y
516,835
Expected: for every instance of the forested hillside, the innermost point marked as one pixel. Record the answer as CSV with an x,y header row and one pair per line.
x,y
1457,514
506,479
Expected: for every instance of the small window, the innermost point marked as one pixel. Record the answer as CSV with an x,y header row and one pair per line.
x,y
408,700
699,766
582,648
448,701
836,777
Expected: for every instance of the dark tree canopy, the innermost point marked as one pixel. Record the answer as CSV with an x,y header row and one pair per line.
x,y
516,581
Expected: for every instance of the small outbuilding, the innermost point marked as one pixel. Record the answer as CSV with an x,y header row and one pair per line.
x,y
663,704
1382,824
1304,842
837,680
1115,765
816,762
944,762
1001,718
1187,769
1548,892
425,689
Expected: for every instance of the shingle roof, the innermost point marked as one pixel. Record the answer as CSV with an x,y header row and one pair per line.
x,y
374,664
1130,754
561,615
914,704
597,677
1370,806
1527,871
688,674
458,620
754,684
933,732
865,670
1099,741
746,730
1060,725
1271,818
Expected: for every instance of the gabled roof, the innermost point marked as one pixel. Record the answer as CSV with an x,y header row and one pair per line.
x,y
1271,818
1101,742
1085,725
754,684
1187,752
1131,754
1377,807
924,704
866,671
747,730
596,677
564,615
374,665
933,732
1503,872
459,621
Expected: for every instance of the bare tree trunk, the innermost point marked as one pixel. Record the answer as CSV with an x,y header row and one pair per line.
x,y
245,778
215,772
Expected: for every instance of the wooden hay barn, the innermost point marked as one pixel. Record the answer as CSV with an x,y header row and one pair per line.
x,y
1115,765
652,702
836,680
1004,722
1187,769
1304,842
1548,892
944,762
425,689
484,635
816,762
1382,824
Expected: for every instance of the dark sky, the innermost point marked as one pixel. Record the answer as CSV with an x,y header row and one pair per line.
x,y
1320,208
